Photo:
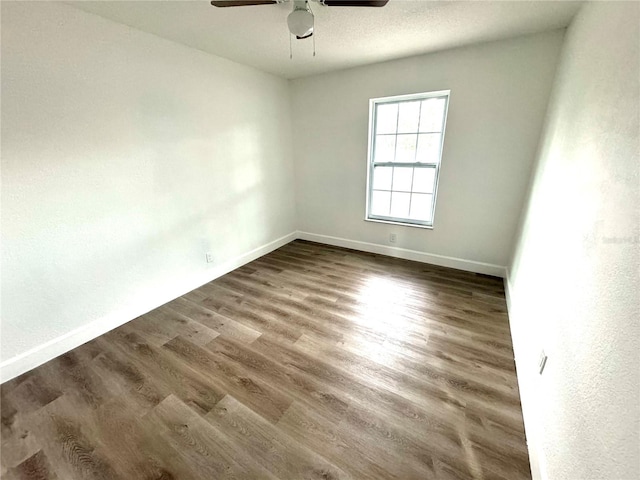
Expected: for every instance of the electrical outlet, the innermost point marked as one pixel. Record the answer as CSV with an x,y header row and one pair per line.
x,y
542,362
393,238
209,257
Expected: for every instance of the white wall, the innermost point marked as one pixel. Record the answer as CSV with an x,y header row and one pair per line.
x,y
574,281
125,157
499,94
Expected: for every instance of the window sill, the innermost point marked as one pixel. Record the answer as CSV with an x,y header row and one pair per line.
x,y
402,224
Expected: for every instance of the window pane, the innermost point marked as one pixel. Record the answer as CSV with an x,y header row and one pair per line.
x,y
431,115
424,180
428,148
400,204
409,117
385,148
421,207
386,118
380,202
406,148
382,178
402,178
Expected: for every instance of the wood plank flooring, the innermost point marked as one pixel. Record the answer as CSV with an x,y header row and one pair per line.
x,y
312,362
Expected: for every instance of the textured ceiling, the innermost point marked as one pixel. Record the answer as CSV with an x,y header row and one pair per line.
x,y
345,36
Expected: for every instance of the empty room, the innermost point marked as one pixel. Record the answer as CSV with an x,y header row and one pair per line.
x,y
320,239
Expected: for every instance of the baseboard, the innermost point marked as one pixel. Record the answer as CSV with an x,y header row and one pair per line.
x,y
535,455
416,256
507,290
30,359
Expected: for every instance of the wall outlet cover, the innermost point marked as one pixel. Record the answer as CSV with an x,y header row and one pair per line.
x,y
542,362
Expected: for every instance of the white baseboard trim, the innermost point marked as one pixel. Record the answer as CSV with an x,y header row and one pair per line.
x,y
34,357
507,289
433,259
535,454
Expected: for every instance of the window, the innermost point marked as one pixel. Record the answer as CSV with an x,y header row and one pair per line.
x,y
406,134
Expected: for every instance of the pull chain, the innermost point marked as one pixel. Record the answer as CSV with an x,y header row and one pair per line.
x,y
290,50
313,32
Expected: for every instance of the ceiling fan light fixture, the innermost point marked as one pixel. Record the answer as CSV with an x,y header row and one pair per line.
x,y
300,22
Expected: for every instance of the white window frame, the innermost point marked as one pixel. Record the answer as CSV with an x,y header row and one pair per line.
x,y
373,103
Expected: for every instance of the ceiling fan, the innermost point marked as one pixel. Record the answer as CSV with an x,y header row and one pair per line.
x,y
300,20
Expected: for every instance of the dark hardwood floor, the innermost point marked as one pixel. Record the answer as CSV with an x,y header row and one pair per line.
x,y
312,362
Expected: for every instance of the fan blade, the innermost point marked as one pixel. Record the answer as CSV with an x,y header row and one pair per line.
x,y
355,3
241,3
